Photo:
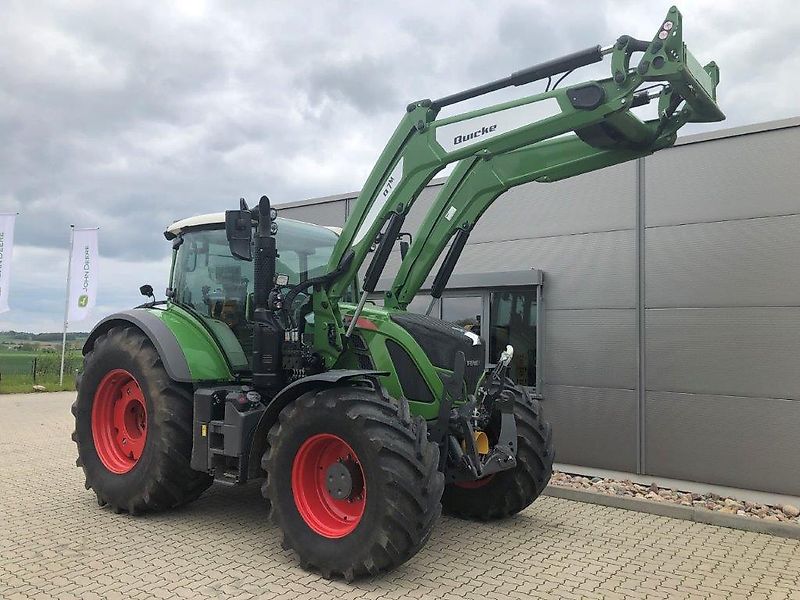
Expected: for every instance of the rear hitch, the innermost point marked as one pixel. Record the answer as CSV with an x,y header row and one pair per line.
x,y
504,454
465,462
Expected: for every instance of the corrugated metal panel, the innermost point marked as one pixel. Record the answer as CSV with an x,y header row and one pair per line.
x,y
329,213
590,348
390,270
731,351
748,443
755,262
419,209
594,270
734,178
600,201
593,426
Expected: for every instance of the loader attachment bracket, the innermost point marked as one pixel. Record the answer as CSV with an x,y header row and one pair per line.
x,y
667,59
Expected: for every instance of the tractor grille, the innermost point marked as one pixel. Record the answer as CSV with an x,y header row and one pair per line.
x,y
411,380
361,352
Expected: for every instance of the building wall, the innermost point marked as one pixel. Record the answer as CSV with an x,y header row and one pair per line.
x,y
722,311
333,212
580,233
672,305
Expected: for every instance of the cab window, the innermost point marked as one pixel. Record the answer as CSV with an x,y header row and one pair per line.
x,y
219,287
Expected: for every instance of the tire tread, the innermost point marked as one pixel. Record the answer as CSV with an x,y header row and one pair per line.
x,y
408,461
172,482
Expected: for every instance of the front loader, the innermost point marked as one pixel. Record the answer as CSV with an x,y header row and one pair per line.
x,y
364,422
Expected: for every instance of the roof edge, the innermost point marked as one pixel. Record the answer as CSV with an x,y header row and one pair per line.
x,y
719,134
338,197
695,138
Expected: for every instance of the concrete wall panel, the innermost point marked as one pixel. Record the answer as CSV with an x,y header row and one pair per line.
x,y
600,201
726,351
752,262
595,427
590,348
739,442
730,178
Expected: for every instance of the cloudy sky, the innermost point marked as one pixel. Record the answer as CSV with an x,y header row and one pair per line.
x,y
130,115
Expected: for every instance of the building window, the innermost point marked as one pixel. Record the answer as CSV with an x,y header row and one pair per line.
x,y
464,311
512,319
420,303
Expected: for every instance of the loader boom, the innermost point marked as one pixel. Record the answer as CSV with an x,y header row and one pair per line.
x,y
477,182
505,145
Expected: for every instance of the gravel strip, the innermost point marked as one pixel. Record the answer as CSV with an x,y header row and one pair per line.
x,y
785,513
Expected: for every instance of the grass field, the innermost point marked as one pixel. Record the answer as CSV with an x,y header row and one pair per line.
x,y
20,384
14,362
20,370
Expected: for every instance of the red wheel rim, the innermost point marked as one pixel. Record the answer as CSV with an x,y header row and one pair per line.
x,y
320,458
119,421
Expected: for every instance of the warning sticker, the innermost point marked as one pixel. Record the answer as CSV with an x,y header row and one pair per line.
x,y
450,212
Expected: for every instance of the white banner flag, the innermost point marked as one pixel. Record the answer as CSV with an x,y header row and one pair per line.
x,y
83,271
6,249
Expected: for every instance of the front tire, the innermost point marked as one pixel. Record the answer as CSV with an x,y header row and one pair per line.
x,y
506,493
389,498
133,427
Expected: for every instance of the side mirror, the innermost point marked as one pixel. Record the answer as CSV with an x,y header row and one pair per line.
x,y
239,231
146,290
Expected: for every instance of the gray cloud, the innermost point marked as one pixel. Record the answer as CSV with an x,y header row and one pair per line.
x,y
129,116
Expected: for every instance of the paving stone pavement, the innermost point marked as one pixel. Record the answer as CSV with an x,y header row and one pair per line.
x,y
55,542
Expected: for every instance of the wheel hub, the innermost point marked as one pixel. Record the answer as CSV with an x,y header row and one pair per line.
x,y
328,485
344,480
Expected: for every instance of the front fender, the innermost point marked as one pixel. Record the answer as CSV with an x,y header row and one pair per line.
x,y
186,348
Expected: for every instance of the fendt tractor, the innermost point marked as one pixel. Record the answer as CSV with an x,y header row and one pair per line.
x,y
364,420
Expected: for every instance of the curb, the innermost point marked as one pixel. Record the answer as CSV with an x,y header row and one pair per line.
x,y
677,511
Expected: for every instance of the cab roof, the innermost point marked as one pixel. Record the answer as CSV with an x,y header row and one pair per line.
x,y
218,219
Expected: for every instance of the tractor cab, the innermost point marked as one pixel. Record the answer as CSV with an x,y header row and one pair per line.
x,y
217,287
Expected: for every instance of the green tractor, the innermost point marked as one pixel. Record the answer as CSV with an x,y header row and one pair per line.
x,y
364,421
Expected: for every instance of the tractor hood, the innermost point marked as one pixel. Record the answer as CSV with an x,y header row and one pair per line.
x,y
442,340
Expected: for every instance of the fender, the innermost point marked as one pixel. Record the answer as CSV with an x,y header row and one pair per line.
x,y
170,333
154,328
291,392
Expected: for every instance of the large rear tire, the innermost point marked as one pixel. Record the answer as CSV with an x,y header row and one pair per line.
x,y
133,427
389,498
506,493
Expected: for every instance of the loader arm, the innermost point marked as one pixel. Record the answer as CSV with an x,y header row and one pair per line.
x,y
422,145
478,181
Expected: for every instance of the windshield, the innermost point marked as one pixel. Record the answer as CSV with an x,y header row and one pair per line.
x,y
219,287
